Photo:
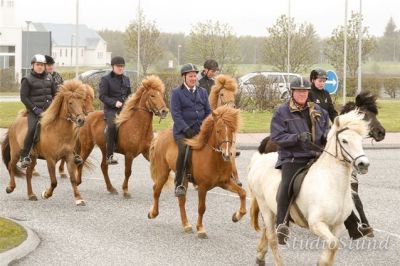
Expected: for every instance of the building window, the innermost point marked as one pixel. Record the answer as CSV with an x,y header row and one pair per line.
x,y
81,52
60,53
99,55
10,4
66,52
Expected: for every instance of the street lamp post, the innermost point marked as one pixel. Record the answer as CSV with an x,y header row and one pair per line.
x,y
179,54
28,23
72,44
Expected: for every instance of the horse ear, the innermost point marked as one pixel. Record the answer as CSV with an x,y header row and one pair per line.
x,y
337,122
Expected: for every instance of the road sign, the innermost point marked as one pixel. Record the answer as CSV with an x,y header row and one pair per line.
x,y
332,82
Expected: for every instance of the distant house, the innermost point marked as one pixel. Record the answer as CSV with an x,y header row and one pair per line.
x,y
92,49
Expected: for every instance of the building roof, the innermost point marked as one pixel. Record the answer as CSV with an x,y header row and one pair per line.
x,y
63,34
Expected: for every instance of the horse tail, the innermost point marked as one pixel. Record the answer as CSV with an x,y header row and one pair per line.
x,y
5,150
6,154
254,211
263,144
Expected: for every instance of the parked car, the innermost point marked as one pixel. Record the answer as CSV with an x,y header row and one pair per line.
x,y
93,77
264,83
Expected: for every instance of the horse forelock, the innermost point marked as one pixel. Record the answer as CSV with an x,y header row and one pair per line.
x,y
367,101
222,82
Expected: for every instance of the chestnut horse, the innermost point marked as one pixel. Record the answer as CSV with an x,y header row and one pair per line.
x,y
211,163
57,137
135,129
223,92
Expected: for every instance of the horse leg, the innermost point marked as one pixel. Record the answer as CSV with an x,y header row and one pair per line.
x,y
51,167
187,227
159,182
322,230
233,187
28,176
11,167
86,149
72,169
201,232
128,172
61,169
104,169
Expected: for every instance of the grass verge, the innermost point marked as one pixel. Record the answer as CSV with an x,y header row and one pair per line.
x,y
11,234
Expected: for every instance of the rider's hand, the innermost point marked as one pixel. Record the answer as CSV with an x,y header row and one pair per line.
x,y
304,137
190,133
118,104
37,110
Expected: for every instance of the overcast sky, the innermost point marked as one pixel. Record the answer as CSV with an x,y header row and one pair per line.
x,y
248,17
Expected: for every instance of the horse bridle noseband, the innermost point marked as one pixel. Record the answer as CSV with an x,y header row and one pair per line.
x,y
218,147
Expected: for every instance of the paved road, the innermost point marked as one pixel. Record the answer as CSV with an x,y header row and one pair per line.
x,y
111,230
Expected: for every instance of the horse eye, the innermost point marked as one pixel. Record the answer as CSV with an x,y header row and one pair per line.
x,y
344,141
152,96
222,94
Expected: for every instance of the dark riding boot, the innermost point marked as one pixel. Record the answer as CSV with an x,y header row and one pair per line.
x,y
29,138
180,190
355,229
111,133
358,204
78,160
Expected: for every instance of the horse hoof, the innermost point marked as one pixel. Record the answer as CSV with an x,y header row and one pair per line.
x,y
33,198
44,196
234,218
113,191
127,195
260,262
35,173
188,229
63,176
9,190
202,235
80,202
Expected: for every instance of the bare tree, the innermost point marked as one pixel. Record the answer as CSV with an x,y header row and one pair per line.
x,y
150,49
212,40
303,45
334,48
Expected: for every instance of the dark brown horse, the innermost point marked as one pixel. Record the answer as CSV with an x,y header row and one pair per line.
x,y
135,129
366,102
57,139
211,164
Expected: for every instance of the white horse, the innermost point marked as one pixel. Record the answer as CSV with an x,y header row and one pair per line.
x,y
324,199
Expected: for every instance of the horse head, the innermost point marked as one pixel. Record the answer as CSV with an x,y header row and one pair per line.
x,y
225,126
223,92
152,96
348,132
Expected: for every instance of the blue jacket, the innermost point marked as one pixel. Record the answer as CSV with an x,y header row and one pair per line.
x,y
286,123
113,88
188,110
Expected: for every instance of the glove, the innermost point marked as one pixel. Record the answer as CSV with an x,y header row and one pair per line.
x,y
37,110
304,137
190,133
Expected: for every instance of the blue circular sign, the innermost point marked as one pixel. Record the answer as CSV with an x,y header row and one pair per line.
x,y
332,82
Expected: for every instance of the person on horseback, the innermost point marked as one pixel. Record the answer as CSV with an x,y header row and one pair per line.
x,y
37,92
58,80
206,77
189,107
114,89
320,96
294,126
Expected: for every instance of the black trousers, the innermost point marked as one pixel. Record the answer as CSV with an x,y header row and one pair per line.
x,y
283,200
111,133
180,161
28,143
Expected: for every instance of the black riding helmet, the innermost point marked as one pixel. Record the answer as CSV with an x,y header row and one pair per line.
x,y
118,60
318,73
211,64
298,84
186,68
49,60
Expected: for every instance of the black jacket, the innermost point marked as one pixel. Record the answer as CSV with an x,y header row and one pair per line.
x,y
323,99
37,90
113,88
206,82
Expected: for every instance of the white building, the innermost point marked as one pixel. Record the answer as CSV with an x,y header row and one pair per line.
x,y
92,49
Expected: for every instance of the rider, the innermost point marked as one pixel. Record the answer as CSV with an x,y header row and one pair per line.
x,y
114,89
206,77
58,80
37,92
295,124
189,107
320,96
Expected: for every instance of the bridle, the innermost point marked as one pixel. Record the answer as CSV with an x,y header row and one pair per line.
x,y
222,102
218,146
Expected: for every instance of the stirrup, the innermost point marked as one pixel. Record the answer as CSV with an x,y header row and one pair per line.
x,y
25,162
282,232
111,160
78,160
180,191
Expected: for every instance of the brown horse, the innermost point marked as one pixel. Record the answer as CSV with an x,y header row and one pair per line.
x,y
211,164
223,92
135,129
57,139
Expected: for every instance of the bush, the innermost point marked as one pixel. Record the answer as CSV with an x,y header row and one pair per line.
x,y
392,86
8,83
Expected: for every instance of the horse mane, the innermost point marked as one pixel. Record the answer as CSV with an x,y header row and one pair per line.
x,y
352,120
69,88
221,82
149,83
230,116
365,101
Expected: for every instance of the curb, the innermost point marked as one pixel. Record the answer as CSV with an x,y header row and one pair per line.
x,y
253,146
30,244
